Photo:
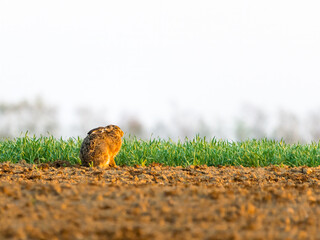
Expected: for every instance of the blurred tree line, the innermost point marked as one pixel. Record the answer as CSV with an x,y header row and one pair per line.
x,y
37,117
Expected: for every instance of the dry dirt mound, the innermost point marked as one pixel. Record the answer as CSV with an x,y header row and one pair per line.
x,y
57,202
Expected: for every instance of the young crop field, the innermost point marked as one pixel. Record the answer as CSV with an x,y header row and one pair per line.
x,y
161,189
197,151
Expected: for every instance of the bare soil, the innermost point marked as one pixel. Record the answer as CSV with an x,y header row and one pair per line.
x,y
51,201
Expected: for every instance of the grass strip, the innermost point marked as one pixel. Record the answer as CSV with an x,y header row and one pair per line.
x,y
197,151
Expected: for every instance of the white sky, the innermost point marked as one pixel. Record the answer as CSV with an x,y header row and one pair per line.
x,y
209,57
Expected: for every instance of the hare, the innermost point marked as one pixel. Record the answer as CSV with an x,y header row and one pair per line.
x,y
100,146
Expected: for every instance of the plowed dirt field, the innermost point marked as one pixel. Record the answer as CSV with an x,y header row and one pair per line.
x,y
157,202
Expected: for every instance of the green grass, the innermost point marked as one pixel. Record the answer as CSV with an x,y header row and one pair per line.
x,y
197,151
43,149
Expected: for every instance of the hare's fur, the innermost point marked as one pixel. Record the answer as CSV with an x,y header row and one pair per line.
x,y
100,146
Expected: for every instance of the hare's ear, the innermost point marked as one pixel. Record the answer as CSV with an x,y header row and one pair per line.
x,y
96,130
108,128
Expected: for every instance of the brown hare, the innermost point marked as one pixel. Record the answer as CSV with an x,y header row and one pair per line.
x,y
100,146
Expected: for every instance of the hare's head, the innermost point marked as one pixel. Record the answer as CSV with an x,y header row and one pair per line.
x,y
113,129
